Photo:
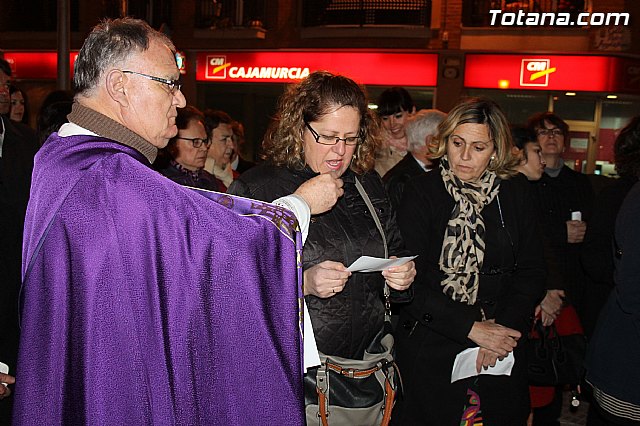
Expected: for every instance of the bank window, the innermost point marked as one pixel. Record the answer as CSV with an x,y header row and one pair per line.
x,y
570,107
518,107
616,114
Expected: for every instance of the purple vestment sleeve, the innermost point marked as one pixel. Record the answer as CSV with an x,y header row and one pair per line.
x,y
144,302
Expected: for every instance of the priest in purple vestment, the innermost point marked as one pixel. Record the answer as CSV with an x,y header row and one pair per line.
x,y
145,302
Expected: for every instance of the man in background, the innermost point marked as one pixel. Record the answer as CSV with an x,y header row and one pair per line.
x,y
420,129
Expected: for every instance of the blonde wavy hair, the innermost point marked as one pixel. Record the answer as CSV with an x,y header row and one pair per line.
x,y
315,96
480,111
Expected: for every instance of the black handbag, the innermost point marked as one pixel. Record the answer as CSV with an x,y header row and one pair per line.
x,y
556,352
356,392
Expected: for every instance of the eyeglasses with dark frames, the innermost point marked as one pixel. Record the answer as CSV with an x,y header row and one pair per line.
x,y
174,85
197,142
550,132
332,140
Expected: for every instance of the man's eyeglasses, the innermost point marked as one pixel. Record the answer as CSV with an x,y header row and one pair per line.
x,y
197,142
550,132
174,85
332,140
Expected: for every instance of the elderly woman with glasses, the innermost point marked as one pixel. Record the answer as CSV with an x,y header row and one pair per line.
x,y
187,152
480,274
324,127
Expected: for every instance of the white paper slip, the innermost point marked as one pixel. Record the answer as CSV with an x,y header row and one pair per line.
x,y
311,356
373,264
465,365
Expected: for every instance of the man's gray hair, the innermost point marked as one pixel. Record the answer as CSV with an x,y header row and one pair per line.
x,y
110,43
422,124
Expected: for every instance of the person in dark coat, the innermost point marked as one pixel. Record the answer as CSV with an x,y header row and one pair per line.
x,y
480,274
595,257
420,129
17,148
560,192
560,195
612,364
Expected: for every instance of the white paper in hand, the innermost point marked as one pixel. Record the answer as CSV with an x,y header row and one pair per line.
x,y
373,264
465,365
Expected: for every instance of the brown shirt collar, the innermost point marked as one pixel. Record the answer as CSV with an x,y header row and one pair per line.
x,y
104,126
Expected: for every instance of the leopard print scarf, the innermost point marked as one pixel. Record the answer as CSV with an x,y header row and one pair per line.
x,y
463,245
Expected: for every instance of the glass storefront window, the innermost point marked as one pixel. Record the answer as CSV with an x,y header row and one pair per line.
x,y
615,115
574,107
516,105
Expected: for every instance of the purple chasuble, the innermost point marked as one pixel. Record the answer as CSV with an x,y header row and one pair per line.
x,y
148,303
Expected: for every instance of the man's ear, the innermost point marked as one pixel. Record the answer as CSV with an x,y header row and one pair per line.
x,y
115,82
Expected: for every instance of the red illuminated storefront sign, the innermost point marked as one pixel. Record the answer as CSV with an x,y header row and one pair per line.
x,y
406,69
36,65
544,72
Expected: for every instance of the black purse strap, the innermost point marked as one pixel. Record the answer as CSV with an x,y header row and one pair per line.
x,y
372,210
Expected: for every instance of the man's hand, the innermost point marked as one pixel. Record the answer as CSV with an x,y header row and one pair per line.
x,y
575,231
325,279
5,391
321,192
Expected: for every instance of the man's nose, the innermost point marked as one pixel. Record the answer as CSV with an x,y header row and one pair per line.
x,y
179,100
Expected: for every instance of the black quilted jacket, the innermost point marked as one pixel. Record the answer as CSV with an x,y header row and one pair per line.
x,y
346,323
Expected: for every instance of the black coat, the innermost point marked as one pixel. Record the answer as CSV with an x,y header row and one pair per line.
x,y
19,147
433,328
555,199
244,165
612,357
396,178
346,323
596,254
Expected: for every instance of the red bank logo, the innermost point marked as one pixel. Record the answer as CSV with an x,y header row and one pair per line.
x,y
535,72
217,67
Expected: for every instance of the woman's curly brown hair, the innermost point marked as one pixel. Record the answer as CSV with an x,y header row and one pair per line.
x,y
315,96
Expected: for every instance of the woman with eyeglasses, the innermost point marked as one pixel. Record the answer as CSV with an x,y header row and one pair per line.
x,y
480,274
324,127
187,153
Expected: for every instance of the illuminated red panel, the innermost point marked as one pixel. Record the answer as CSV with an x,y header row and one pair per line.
x,y
36,65
407,69
542,72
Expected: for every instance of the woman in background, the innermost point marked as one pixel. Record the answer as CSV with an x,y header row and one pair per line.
x,y
395,105
18,110
188,152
